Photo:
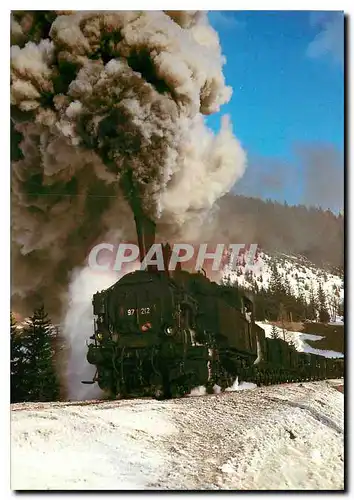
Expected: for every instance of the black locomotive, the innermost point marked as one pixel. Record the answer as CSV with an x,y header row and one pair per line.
x,y
163,333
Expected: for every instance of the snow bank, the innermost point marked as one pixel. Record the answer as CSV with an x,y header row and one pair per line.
x,y
339,320
237,386
198,391
281,437
299,340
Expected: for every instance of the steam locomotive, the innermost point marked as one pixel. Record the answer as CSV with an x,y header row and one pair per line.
x,y
162,333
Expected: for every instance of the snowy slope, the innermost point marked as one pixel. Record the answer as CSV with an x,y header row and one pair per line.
x,y
299,340
300,272
279,437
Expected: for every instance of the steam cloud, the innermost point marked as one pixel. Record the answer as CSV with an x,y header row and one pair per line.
x,y
104,103
78,326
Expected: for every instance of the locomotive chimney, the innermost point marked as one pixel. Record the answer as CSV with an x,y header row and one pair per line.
x,y
167,254
145,229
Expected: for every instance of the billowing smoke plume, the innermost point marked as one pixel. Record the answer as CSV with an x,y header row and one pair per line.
x,y
107,105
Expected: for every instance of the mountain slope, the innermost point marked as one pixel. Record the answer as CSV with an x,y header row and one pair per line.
x,y
313,233
300,275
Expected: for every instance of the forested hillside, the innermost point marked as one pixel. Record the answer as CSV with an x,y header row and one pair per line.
x,y
313,233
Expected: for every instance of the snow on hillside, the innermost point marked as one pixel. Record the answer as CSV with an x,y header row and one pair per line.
x,y
299,339
301,274
279,437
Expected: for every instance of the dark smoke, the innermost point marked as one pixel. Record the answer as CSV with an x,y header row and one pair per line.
x,y
104,106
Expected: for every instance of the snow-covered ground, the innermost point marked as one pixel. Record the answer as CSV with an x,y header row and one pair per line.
x,y
299,340
280,437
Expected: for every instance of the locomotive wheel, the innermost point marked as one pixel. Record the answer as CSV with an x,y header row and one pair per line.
x,y
210,387
156,386
225,380
121,392
166,385
180,387
106,382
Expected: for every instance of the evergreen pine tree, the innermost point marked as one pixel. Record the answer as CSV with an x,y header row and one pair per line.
x,y
275,280
322,305
334,305
302,305
274,333
287,287
40,370
17,371
255,288
226,280
313,306
291,344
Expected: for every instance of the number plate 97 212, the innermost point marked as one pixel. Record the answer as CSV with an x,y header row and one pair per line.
x,y
142,310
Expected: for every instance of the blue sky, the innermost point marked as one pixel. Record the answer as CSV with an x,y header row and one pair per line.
x,y
287,74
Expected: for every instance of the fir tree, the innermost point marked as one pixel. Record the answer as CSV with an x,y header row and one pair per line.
x,y
292,345
17,363
274,332
40,370
275,280
301,306
226,280
287,287
313,306
334,305
322,305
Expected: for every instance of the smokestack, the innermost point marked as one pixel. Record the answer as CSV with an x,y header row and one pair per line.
x,y
167,254
145,226
145,229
